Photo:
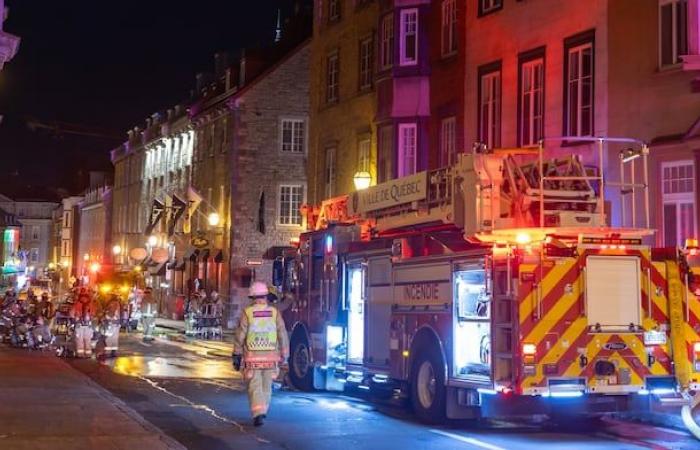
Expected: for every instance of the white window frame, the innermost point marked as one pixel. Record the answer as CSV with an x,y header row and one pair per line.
x,y
332,77
575,53
408,149
330,172
409,30
488,6
678,198
448,136
36,232
534,124
387,42
302,200
490,108
294,147
676,53
366,63
448,28
364,149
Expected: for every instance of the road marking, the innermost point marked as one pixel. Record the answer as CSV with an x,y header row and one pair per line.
x,y
468,440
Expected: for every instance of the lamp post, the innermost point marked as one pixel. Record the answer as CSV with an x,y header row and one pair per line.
x,y
362,180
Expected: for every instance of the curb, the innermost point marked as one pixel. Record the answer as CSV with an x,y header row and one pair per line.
x,y
126,409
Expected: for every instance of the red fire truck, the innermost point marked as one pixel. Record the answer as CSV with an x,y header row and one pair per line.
x,y
494,288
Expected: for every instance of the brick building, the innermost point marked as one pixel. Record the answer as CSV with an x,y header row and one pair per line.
x,y
95,229
622,68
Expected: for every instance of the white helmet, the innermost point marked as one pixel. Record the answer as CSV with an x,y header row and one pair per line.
x,y
258,289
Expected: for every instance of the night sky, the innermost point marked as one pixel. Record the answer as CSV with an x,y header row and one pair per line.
x,y
104,66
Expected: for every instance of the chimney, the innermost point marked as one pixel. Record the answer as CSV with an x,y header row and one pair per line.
x,y
220,64
241,73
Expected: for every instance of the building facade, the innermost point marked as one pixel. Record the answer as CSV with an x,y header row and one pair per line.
x,y
342,130
95,225
588,69
9,43
70,228
35,235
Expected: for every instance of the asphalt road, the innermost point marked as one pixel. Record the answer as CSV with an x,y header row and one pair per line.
x,y
189,390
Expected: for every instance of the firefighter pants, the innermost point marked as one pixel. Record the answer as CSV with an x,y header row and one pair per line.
x,y
149,325
260,389
83,341
112,337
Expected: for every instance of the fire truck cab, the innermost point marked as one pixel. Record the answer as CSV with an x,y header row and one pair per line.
x,y
492,288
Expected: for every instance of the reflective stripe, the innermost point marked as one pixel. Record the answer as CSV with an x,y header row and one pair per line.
x,y
262,328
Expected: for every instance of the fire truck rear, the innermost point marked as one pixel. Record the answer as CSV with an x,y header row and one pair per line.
x,y
493,288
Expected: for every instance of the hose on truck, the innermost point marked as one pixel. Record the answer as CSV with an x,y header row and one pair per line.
x,y
687,413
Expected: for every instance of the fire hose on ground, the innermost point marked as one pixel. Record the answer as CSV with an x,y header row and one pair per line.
x,y
687,413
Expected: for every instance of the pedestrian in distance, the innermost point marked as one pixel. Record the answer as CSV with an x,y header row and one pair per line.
x,y
260,346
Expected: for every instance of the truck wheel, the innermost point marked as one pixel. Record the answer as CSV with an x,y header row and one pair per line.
x,y
428,386
301,370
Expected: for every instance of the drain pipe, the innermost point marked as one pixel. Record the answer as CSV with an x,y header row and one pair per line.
x,y
687,413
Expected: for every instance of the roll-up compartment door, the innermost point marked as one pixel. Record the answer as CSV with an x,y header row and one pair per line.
x,y
613,291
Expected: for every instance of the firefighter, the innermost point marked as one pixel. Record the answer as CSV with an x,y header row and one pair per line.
x,y
112,318
260,344
82,313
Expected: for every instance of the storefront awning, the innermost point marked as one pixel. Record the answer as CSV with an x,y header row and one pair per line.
x,y
158,270
191,254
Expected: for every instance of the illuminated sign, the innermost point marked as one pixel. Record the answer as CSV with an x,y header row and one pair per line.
x,y
611,240
392,193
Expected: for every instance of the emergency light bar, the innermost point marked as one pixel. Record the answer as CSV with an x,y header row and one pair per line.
x,y
611,241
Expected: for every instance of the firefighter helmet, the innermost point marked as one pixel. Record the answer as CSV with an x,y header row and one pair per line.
x,y
258,289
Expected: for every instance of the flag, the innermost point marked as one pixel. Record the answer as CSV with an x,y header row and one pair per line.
x,y
177,209
157,210
193,201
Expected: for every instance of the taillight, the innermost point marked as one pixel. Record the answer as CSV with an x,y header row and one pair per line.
x,y
696,356
696,347
529,353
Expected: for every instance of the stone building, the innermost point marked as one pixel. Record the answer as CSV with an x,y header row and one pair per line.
x,y
620,68
35,235
69,235
95,226
342,131
9,43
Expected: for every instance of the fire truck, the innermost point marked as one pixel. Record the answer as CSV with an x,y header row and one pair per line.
x,y
496,287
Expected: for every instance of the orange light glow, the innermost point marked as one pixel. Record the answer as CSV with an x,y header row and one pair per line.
x,y
523,238
529,349
94,267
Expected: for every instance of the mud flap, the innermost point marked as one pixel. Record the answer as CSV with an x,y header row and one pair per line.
x,y
462,403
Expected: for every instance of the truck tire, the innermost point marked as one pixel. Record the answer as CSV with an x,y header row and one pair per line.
x,y
428,385
301,369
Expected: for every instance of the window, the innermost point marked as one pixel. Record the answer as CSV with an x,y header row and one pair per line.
x,y
447,141
34,255
329,180
293,136
449,27
387,48
35,233
531,102
333,10
291,197
489,6
332,72
408,149
363,152
409,37
66,219
366,63
678,202
578,97
673,31
490,108
385,151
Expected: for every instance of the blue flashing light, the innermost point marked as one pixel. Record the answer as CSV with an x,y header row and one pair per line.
x,y
362,386
643,392
329,244
566,394
663,391
486,391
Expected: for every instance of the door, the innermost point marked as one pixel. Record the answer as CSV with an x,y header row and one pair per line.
x,y
356,313
472,325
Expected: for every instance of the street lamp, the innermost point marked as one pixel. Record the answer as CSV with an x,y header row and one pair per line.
x,y
362,180
153,240
214,219
86,257
95,267
117,250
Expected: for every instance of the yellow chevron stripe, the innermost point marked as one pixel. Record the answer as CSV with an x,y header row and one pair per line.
x,y
548,283
553,316
592,349
639,350
557,351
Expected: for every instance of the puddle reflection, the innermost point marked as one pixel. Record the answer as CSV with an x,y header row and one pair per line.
x,y
172,367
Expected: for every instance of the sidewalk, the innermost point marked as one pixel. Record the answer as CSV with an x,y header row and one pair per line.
x,y
46,404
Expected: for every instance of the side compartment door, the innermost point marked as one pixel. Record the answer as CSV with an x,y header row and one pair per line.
x,y
378,315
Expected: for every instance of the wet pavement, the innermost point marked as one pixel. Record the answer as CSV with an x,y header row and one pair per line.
x,y
188,389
